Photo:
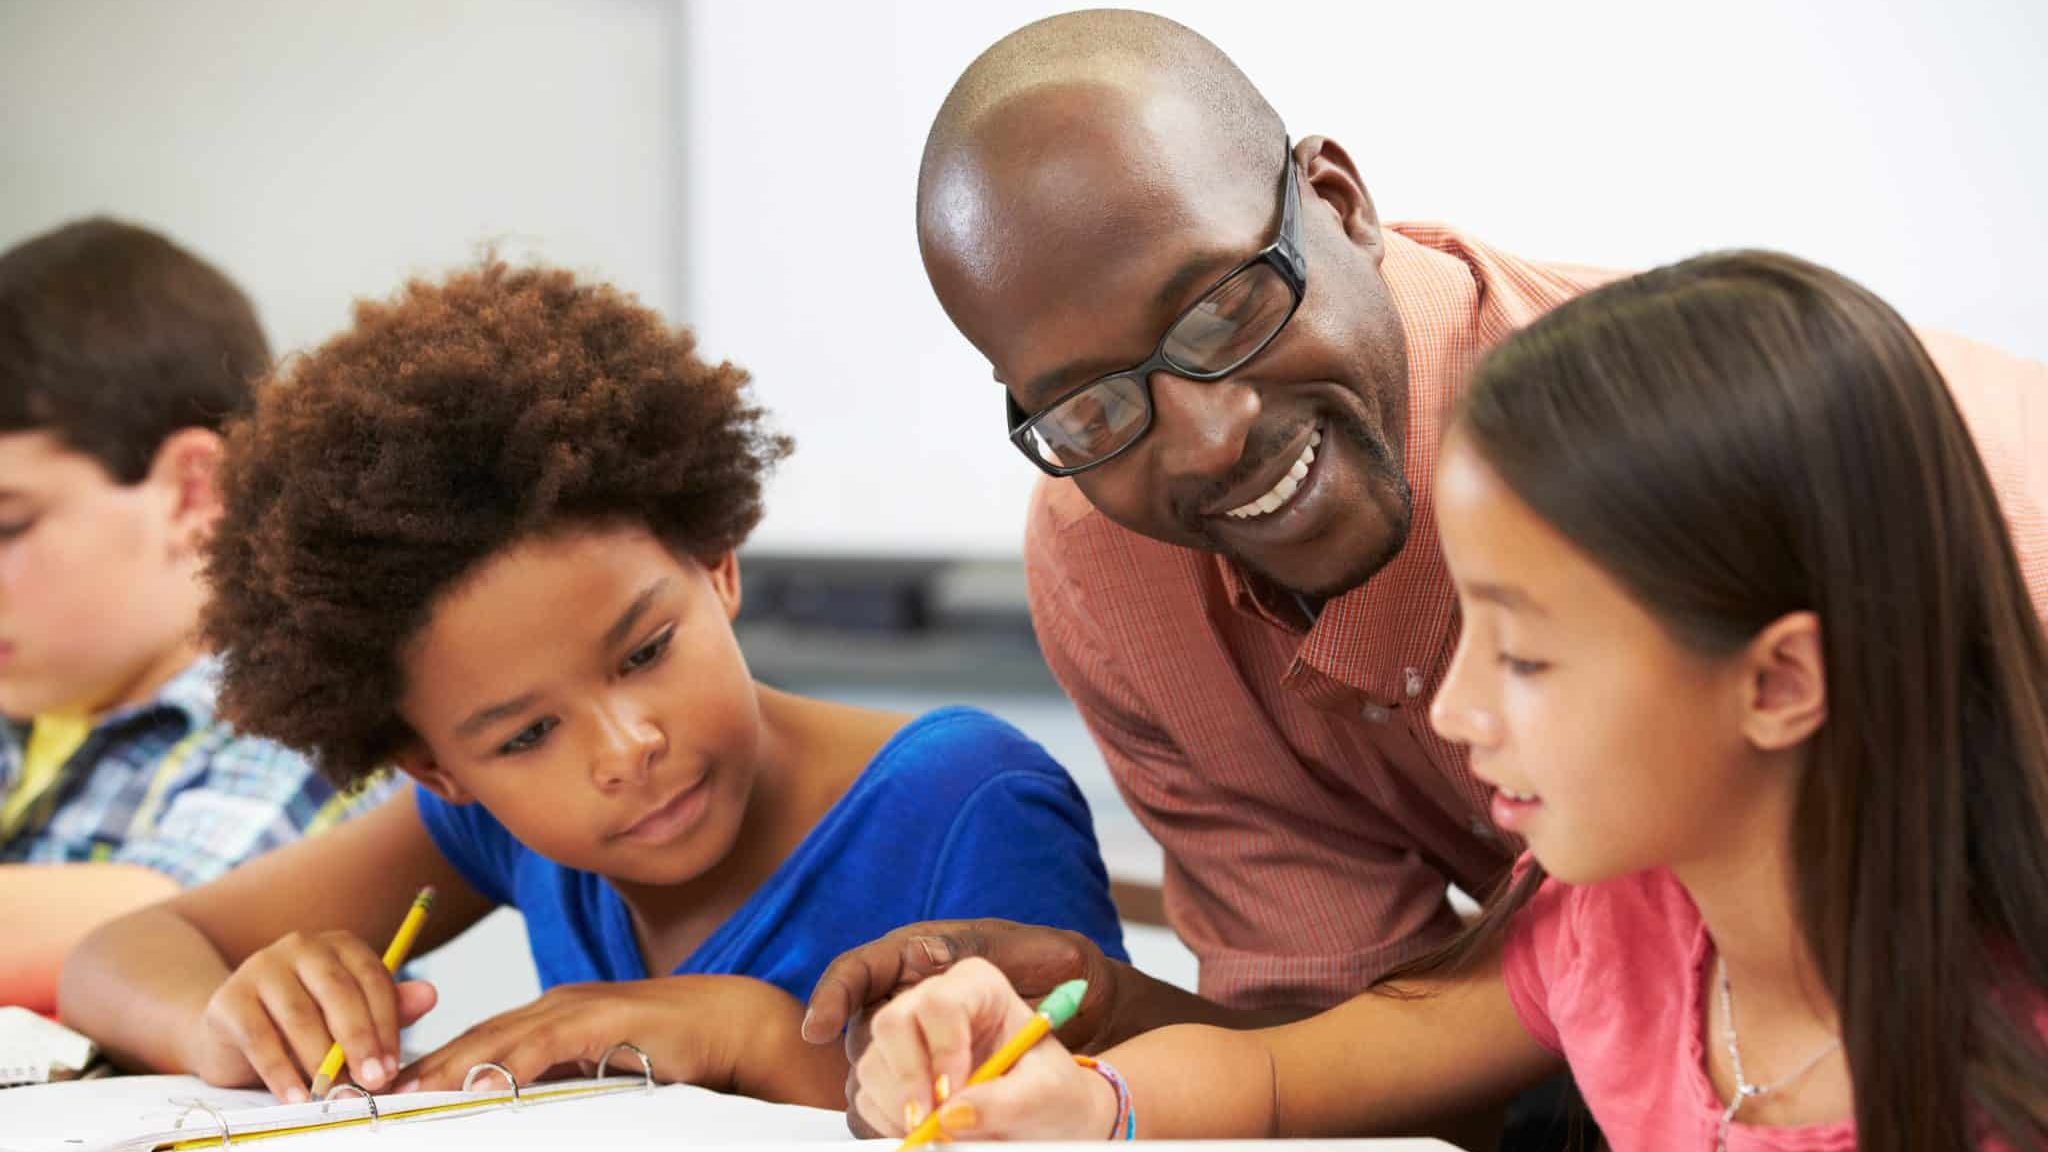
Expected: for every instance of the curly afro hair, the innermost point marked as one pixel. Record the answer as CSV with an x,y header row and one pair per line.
x,y
448,423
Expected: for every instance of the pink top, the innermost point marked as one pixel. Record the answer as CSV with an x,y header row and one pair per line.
x,y
1611,976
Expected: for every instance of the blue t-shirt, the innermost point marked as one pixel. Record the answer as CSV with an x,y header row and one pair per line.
x,y
959,815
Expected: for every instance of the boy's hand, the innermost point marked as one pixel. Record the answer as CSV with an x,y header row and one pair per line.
x,y
923,1045
730,1033
275,1018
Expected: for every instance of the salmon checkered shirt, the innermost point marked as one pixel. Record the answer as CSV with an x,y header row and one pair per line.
x,y
1311,818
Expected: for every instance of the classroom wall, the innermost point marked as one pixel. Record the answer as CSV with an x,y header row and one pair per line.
x,y
320,152
749,167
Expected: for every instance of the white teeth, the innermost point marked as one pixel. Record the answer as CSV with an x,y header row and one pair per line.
x,y
1519,797
1283,491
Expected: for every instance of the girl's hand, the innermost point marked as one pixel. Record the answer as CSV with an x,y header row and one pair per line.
x,y
923,1045
730,1033
276,1016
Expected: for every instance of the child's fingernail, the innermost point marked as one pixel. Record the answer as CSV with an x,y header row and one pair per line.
x,y
296,1095
373,1071
958,1117
913,1114
942,1088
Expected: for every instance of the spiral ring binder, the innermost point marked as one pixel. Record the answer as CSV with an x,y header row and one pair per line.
x,y
187,1117
646,1065
258,1124
193,1104
327,1101
469,1081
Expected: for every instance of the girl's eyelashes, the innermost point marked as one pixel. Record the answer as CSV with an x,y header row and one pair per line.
x,y
649,652
529,737
1520,667
16,528
646,655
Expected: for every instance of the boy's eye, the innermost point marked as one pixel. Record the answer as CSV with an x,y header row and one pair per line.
x,y
16,528
528,738
649,652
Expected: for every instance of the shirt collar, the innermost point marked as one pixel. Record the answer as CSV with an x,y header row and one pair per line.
x,y
1391,638
189,696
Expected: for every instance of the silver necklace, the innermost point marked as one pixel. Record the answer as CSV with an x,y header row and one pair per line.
x,y
1744,1090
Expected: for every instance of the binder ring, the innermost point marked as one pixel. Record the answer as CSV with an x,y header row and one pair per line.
x,y
194,1104
646,1065
327,1101
476,1070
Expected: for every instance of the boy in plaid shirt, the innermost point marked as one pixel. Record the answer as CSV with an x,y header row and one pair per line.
x,y
121,355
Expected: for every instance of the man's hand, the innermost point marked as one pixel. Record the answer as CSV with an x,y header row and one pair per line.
x,y
1034,959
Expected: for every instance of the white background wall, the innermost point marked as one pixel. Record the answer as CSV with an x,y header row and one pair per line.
x,y
749,167
320,152
1905,142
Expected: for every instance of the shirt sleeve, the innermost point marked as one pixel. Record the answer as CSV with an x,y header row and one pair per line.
x,y
2004,401
1540,949
1022,848
474,843
249,797
1280,912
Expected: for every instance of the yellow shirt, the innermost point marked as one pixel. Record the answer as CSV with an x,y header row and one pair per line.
x,y
51,741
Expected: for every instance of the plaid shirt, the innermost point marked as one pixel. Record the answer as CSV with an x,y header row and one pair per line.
x,y
166,785
1310,815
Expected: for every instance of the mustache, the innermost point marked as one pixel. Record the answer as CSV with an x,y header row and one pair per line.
x,y
1266,441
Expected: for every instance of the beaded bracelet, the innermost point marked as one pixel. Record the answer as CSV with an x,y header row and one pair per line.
x,y
1125,1126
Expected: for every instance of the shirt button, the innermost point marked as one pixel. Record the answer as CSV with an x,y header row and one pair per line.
x,y
1375,714
1414,676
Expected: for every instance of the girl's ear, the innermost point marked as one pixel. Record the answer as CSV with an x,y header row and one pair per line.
x,y
415,761
723,571
1786,683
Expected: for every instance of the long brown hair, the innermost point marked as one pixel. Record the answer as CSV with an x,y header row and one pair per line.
x,y
1745,435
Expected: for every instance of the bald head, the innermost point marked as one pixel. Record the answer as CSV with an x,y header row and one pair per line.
x,y
1125,99
1132,55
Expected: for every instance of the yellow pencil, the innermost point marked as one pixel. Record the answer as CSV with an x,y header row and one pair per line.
x,y
401,944
1053,1011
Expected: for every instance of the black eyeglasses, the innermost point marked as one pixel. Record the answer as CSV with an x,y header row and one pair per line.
x,y
1221,332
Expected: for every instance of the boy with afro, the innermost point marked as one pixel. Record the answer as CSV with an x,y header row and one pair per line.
x,y
487,536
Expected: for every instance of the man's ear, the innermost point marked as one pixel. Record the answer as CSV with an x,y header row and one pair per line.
x,y
415,761
1329,176
723,571
186,471
1785,683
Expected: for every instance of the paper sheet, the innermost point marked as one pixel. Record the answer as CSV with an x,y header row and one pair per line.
x,y
99,1114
